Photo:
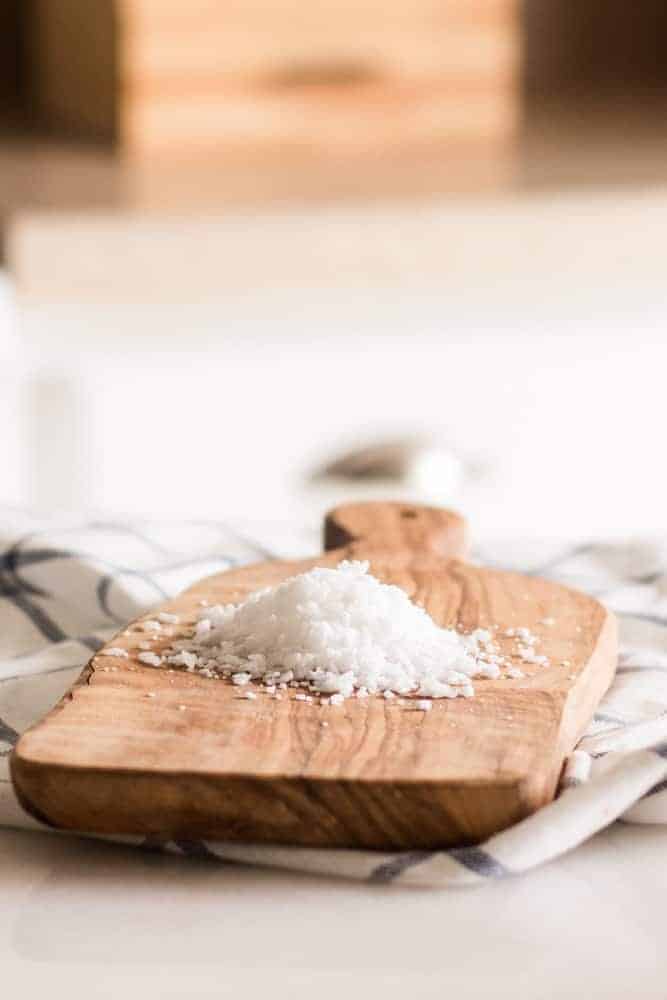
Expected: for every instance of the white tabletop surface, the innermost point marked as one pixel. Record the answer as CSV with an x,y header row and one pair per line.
x,y
83,919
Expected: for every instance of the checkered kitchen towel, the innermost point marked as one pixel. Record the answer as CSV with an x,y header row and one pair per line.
x,y
65,590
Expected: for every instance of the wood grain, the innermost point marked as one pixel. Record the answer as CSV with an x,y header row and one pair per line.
x,y
182,76
119,754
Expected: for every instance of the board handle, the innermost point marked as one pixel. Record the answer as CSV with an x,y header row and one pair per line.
x,y
396,526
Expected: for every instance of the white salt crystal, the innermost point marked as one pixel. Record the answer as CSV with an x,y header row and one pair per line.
x,y
149,626
115,651
528,655
241,678
183,659
491,670
167,618
424,706
152,659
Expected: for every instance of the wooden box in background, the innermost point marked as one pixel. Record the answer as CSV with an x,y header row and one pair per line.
x,y
10,74
337,77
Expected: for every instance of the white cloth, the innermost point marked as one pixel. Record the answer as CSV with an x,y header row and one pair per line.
x,y
66,590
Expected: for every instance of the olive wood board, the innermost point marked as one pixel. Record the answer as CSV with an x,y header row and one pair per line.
x,y
134,749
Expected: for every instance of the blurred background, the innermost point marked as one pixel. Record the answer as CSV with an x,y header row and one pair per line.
x,y
259,256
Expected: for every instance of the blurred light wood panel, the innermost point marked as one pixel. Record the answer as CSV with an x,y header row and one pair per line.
x,y
186,77
587,144
48,175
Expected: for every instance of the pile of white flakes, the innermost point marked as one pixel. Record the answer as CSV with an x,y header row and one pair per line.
x,y
335,634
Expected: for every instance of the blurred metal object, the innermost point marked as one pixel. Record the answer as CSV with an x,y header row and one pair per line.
x,y
419,465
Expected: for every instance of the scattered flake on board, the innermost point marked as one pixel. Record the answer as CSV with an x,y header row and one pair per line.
x,y
528,655
547,621
149,626
150,694
424,705
184,659
515,673
167,618
152,659
116,651
249,695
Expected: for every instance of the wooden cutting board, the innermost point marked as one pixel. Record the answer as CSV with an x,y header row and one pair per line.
x,y
144,750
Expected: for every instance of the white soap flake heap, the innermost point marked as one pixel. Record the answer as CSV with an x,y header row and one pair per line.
x,y
340,633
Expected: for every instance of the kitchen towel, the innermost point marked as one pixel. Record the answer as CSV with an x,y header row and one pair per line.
x,y
66,589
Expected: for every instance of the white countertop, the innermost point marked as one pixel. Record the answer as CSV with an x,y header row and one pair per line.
x,y
80,919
